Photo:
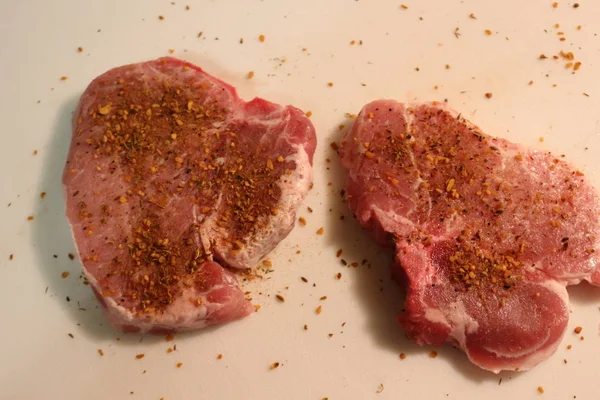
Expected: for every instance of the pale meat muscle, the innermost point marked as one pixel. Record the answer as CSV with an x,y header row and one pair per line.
x,y
487,234
170,179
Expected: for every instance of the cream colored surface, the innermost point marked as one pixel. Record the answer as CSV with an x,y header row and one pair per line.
x,y
38,359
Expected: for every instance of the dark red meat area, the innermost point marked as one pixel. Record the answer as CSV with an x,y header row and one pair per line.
x,y
486,233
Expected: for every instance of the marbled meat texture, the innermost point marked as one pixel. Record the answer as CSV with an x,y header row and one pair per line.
x,y
171,179
487,234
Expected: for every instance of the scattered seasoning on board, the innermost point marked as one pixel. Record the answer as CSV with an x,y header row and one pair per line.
x,y
169,337
569,347
472,16
338,276
65,275
487,32
261,38
139,356
161,18
80,49
380,388
11,257
71,256
488,95
274,365
302,221
63,78
330,84
320,231
540,389
318,310
433,354
554,5
179,364
576,5
42,195
402,356
187,8
280,298
308,114
220,356
100,352
404,6
250,74
305,327
30,218
35,152
304,279
71,336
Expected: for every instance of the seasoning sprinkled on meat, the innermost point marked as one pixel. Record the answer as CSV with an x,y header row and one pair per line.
x,y
486,233
171,179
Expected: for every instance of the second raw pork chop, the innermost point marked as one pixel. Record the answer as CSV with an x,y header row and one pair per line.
x,y
486,233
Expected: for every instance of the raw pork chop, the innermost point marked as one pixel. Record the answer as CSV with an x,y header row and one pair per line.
x,y
487,233
170,178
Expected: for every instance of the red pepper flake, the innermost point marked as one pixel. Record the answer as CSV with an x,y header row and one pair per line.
x,y
267,263
100,352
280,298
308,114
219,357
80,49
30,218
305,327
554,5
169,350
302,221
261,38
577,66
582,338
309,209
542,57
472,16
334,146
380,388
339,253
161,18
250,74
320,231
171,51
187,8
540,389
433,354
64,78
65,275
352,42
569,347
323,298
318,310
179,364
139,356
402,356
330,84
404,6
488,95
488,32
42,195
576,5
169,337
256,307
578,330
338,276
274,366
11,257
530,83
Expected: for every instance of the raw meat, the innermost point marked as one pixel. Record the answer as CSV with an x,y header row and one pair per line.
x,y
486,233
170,179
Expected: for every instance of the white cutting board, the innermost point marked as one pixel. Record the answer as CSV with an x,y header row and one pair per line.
x,y
39,41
